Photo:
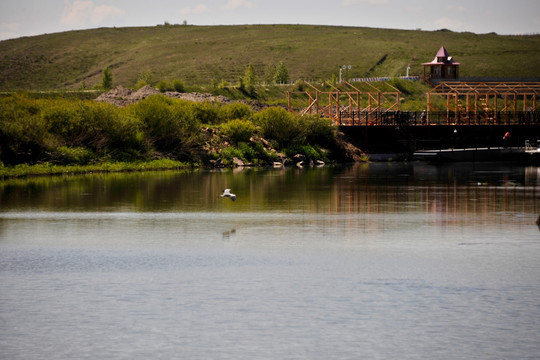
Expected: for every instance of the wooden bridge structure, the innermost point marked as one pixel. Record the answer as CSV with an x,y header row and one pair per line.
x,y
474,103
346,103
448,103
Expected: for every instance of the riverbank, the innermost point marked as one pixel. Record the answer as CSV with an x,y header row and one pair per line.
x,y
52,136
48,169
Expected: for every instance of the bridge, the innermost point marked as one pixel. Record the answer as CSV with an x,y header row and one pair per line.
x,y
458,114
449,103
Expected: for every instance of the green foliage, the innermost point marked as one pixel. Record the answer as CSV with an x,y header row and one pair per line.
x,y
107,80
235,111
279,125
54,61
164,85
24,134
169,124
269,74
228,153
318,130
178,85
47,168
238,130
309,151
81,132
73,155
140,84
207,113
249,80
281,75
144,77
248,153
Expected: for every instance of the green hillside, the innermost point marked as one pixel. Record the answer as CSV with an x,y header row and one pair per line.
x,y
199,55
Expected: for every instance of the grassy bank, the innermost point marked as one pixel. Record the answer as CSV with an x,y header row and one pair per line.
x,y
203,55
49,136
27,170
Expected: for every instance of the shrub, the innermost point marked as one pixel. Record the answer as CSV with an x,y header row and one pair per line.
x,y
73,155
235,111
178,85
207,113
248,153
318,130
164,86
24,135
168,123
140,84
229,153
279,125
107,80
238,130
310,152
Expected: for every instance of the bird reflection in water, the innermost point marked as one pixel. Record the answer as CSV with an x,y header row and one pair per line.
x,y
226,235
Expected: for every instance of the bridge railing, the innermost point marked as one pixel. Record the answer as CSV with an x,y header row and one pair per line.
x,y
416,118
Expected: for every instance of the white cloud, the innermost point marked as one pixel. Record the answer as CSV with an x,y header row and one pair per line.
x,y
372,2
235,4
81,12
198,9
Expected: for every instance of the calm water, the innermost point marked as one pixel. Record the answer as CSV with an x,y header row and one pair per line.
x,y
372,261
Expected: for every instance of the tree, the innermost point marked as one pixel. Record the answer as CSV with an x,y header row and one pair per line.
x,y
249,80
282,74
107,81
269,74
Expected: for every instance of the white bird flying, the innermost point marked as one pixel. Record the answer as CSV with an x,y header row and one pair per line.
x,y
227,193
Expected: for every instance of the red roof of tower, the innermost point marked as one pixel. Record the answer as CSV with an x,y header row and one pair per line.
x,y
442,52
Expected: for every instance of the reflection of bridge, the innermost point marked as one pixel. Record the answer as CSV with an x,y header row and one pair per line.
x,y
449,103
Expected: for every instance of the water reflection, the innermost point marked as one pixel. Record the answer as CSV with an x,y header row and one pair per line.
x,y
312,263
485,191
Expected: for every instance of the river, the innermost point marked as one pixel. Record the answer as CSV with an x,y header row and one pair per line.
x,y
374,261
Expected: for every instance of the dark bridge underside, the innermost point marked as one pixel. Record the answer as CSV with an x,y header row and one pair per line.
x,y
407,139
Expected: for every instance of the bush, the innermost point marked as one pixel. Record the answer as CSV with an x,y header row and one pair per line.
x,y
279,125
169,124
178,86
238,130
247,152
24,134
310,152
235,111
318,130
73,155
140,84
207,113
164,86
229,153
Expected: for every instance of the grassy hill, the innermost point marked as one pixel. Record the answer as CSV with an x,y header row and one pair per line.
x,y
199,55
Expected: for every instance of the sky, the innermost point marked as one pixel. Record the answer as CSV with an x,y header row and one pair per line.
x,y
35,17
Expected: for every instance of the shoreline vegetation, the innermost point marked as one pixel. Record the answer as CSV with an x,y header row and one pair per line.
x,y
54,136
49,169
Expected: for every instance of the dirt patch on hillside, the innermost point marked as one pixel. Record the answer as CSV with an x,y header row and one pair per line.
x,y
121,96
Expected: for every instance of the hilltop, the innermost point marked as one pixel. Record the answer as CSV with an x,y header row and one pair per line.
x,y
201,55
